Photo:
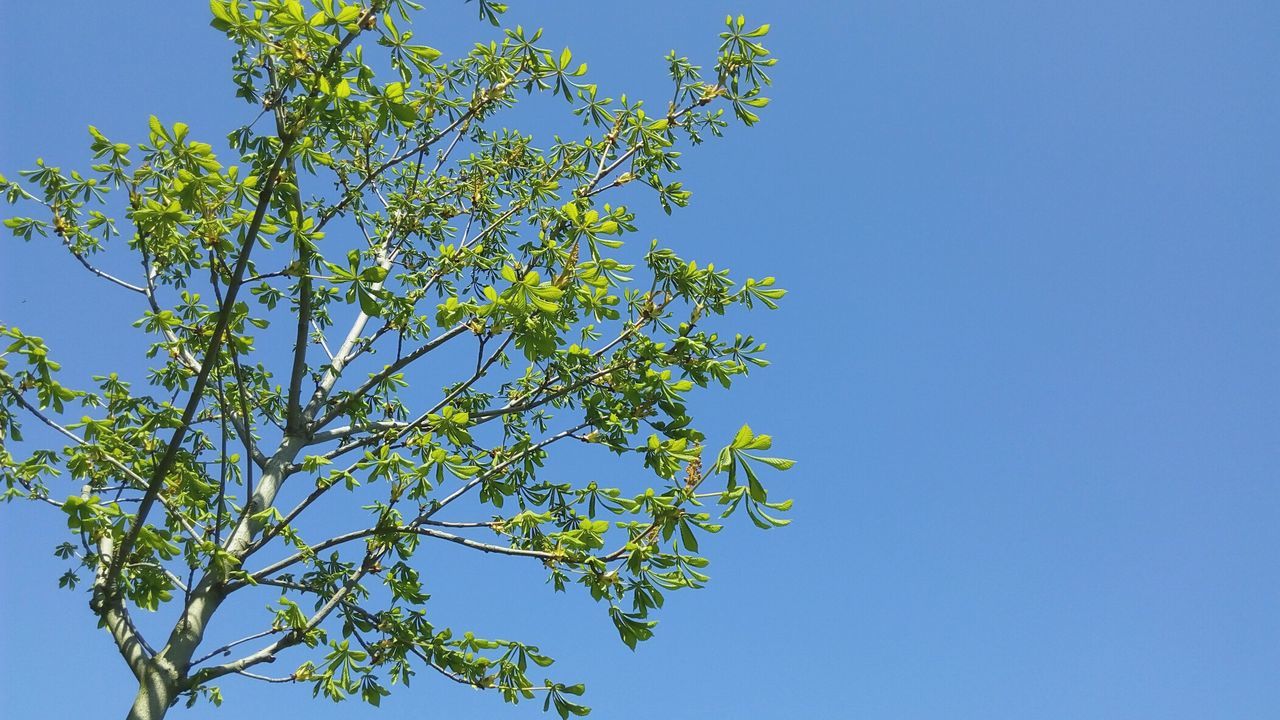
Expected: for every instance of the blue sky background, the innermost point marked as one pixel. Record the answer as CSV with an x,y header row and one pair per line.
x,y
1029,362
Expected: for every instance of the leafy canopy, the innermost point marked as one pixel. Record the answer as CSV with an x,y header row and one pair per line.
x,y
377,213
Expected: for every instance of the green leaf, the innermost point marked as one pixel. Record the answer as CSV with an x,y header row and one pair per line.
x,y
776,463
404,113
219,11
369,304
427,54
157,129
757,490
687,537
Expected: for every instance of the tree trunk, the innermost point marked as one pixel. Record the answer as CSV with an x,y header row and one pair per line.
x,y
156,692
164,674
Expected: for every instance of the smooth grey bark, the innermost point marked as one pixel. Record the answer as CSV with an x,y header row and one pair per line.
x,y
165,675
157,690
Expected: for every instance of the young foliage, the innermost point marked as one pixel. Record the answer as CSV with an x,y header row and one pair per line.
x,y
377,211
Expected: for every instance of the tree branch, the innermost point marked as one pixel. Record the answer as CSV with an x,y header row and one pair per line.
x,y
105,276
111,459
481,477
413,526
341,433
226,649
390,370
421,419
268,653
390,163
224,317
197,393
293,408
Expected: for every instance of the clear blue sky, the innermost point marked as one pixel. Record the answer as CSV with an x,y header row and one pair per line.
x,y
1029,362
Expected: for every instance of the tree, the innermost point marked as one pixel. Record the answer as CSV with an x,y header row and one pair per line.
x,y
374,182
